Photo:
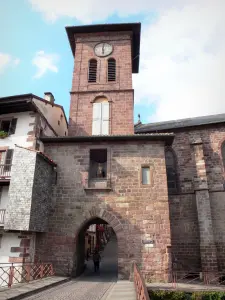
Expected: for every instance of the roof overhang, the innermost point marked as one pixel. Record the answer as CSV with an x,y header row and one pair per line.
x,y
166,137
135,28
16,104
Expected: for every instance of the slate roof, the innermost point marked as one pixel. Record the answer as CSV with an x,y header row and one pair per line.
x,y
182,123
167,137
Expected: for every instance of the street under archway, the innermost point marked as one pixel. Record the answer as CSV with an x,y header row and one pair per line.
x,y
94,234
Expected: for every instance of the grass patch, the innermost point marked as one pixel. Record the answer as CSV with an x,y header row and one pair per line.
x,y
179,295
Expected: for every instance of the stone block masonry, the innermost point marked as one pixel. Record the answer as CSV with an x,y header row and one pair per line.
x,y
29,192
137,212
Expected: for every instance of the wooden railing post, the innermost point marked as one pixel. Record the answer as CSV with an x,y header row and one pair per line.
x,y
140,287
41,271
11,275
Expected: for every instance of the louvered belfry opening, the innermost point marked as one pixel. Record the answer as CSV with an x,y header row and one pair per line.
x,y
111,69
92,70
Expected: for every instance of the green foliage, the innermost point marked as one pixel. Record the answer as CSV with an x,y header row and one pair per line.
x,y
3,134
179,295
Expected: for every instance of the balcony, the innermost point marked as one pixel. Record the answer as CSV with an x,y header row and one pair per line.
x,y
98,184
2,216
5,173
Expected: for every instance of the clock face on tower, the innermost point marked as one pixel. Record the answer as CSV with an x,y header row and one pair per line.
x,y
103,49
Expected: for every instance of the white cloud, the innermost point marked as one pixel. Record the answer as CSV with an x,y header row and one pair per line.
x,y
45,62
182,53
183,62
6,60
90,11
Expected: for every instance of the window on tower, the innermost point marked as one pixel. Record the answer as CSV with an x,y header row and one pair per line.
x,y
111,69
100,122
92,70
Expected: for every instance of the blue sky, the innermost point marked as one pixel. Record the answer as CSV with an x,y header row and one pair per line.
x,y
182,66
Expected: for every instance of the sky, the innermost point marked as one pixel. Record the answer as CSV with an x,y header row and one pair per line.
x,y
182,58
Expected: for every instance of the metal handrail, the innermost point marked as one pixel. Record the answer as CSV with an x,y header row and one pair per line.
x,y
14,273
140,286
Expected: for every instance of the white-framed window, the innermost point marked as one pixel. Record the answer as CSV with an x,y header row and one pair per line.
x,y
145,175
100,121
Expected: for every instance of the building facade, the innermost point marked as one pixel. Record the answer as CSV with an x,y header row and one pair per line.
x,y
23,119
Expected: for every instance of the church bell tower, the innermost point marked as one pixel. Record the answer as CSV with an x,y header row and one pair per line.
x,y
102,97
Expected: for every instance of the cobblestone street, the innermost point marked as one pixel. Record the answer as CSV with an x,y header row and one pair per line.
x,y
90,286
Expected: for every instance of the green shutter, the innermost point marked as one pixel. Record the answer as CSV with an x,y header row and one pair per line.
x,y
12,128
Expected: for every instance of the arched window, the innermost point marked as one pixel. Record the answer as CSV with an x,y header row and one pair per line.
x,y
92,70
223,153
111,69
171,171
100,121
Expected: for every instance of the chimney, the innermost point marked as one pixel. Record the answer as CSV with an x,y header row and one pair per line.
x,y
49,97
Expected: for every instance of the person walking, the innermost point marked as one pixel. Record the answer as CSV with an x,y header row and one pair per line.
x,y
96,260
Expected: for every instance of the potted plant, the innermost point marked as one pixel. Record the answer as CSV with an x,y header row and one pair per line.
x,y
3,134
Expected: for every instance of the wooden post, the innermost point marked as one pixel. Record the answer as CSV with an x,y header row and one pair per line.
x,y
11,275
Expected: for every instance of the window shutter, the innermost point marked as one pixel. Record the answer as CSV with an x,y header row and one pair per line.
x,y
105,118
12,128
8,159
96,123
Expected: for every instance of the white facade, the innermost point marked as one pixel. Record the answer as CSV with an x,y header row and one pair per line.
x,y
23,126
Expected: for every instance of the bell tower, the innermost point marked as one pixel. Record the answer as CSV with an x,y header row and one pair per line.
x,y
102,97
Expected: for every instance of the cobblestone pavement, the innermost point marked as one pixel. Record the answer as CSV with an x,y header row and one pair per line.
x,y
90,286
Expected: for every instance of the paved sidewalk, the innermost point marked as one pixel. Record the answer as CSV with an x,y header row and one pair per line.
x,y
29,288
123,290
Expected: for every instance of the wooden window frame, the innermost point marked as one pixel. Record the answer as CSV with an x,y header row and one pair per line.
x,y
96,71
114,60
12,129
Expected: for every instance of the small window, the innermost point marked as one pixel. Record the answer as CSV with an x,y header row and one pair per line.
x,y
111,69
65,132
8,126
145,175
5,125
58,122
92,70
98,164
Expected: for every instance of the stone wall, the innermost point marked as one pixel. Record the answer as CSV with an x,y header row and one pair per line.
x,y
184,232
136,212
29,192
20,190
41,195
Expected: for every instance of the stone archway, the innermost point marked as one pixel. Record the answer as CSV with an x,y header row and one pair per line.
x,y
92,216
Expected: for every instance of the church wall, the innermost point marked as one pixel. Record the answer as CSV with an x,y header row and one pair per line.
x,y
212,137
142,210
